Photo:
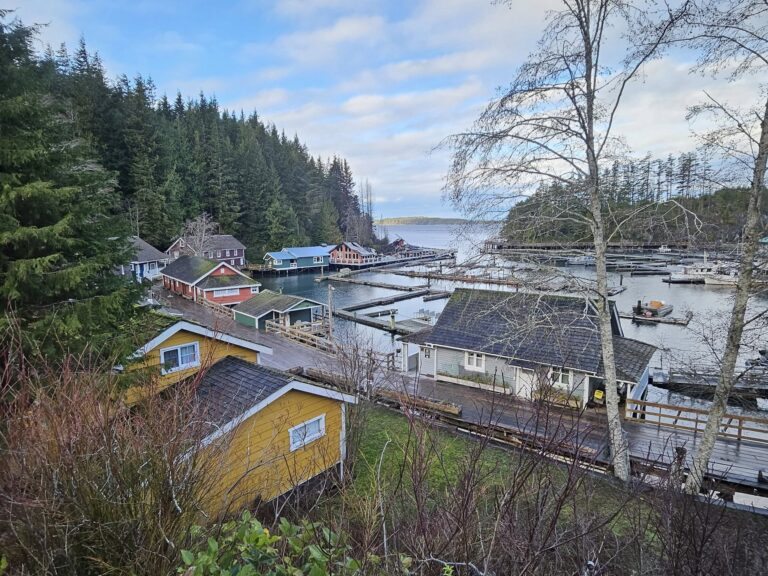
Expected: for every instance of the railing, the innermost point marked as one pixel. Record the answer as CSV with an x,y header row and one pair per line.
x,y
733,426
216,307
312,334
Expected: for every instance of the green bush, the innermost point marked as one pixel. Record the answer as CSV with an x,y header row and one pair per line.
x,y
246,548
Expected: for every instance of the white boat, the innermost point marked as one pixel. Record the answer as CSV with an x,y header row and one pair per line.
x,y
722,277
581,260
664,249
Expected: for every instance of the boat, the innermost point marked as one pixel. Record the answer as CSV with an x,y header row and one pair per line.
x,y
664,249
580,260
653,308
683,279
722,276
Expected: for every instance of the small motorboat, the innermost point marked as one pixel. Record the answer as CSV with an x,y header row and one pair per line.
x,y
664,249
581,260
653,308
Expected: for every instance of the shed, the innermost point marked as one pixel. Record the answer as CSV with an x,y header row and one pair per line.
x,y
283,308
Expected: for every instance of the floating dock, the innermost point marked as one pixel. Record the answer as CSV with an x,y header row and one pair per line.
x,y
385,300
749,386
348,280
640,319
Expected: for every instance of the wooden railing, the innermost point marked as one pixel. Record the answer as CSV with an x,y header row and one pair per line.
x,y
733,426
310,334
216,307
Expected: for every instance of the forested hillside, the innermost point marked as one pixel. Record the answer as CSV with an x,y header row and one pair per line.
x,y
175,158
669,201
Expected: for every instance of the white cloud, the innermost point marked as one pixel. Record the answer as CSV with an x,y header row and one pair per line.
x,y
172,41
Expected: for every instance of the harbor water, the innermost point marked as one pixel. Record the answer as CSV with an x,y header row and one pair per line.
x,y
695,346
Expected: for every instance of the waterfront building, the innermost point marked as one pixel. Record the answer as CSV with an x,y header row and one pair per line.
x,y
284,309
147,262
352,253
522,343
202,279
220,248
298,258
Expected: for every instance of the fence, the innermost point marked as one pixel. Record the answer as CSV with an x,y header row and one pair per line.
x,y
733,426
312,334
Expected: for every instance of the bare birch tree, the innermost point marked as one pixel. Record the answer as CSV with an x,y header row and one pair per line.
x,y
197,233
731,37
554,123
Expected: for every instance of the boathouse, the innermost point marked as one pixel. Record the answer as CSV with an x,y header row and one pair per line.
x,y
353,254
284,309
523,343
202,279
220,248
147,261
298,258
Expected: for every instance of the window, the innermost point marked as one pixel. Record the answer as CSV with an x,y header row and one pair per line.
x,y
307,432
561,378
427,352
226,253
226,292
179,358
317,260
218,253
474,361
175,253
153,265
254,289
278,262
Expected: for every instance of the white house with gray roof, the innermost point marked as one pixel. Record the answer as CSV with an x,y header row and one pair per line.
x,y
147,263
516,342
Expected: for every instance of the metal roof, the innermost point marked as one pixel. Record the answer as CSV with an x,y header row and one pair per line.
x,y
308,251
268,301
279,255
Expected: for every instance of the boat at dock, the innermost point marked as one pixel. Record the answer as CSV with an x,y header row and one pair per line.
x,y
722,276
654,308
584,260
683,279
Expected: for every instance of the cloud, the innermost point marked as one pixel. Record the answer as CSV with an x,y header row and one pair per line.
x,y
172,41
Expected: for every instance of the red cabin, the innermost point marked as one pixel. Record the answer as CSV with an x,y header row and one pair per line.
x,y
202,279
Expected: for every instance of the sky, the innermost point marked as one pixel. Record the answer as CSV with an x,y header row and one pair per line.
x,y
379,82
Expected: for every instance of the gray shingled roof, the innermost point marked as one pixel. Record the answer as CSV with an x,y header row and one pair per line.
x,y
545,329
146,252
631,358
232,385
266,301
189,268
215,281
224,242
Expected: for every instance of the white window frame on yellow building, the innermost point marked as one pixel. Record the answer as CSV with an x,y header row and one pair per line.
x,y
299,442
181,366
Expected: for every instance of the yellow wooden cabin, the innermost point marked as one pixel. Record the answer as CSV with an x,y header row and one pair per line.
x,y
270,432
180,349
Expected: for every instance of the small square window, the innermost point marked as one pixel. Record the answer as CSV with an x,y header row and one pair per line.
x,y
307,432
254,289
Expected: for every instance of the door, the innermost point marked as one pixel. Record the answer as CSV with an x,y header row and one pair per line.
x,y
525,380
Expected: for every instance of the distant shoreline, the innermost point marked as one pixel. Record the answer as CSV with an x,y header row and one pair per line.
x,y
421,220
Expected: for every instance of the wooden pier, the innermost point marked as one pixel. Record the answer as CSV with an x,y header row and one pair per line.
x,y
348,280
751,385
400,327
673,320
385,300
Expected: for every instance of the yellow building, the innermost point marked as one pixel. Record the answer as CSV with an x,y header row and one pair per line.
x,y
180,349
270,432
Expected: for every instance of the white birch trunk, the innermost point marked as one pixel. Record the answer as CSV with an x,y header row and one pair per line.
x,y
738,313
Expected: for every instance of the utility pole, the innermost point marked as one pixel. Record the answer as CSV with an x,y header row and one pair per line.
x,y
330,311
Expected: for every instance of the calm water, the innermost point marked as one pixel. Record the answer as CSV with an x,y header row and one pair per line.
x,y
678,346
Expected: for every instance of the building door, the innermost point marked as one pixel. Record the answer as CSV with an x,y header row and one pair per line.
x,y
525,381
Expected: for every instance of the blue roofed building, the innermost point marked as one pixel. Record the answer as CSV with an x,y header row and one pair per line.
x,y
299,258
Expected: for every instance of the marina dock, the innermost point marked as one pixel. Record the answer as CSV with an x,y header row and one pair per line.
x,y
640,319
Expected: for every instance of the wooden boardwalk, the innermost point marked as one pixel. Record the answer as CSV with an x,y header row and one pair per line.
x,y
737,462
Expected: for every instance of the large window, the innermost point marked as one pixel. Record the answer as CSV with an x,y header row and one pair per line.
x,y
179,358
317,259
307,432
561,379
474,361
226,292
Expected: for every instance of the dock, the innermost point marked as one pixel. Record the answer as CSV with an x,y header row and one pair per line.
x,y
437,296
399,327
385,300
348,280
673,320
750,385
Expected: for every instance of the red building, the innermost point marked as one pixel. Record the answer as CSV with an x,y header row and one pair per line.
x,y
352,253
202,279
220,247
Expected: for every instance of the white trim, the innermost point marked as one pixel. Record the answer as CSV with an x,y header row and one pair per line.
x,y
181,366
473,367
292,385
306,440
224,292
202,331
257,285
211,271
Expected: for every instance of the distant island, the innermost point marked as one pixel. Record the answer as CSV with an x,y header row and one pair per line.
x,y
421,220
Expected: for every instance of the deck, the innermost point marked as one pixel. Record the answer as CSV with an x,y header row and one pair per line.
x,y
736,461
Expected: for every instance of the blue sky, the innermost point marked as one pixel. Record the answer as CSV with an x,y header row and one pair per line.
x,y
378,82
